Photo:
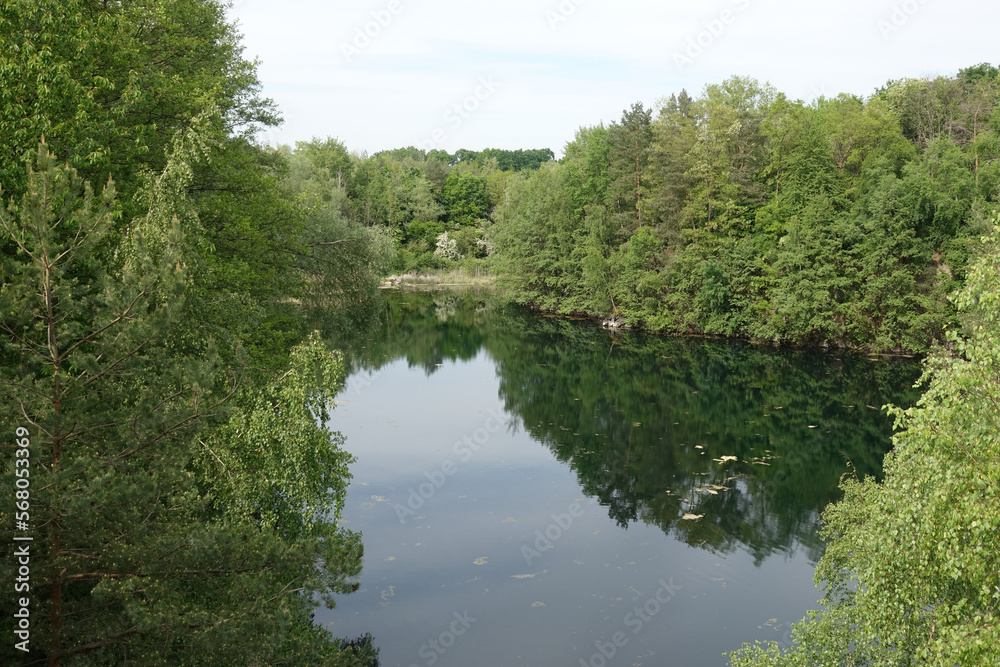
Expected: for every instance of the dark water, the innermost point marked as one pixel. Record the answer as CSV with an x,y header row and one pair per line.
x,y
541,492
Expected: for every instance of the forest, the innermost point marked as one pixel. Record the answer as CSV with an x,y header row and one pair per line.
x,y
174,294
169,307
839,222
842,222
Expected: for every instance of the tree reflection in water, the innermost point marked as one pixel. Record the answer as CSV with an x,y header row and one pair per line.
x,y
752,440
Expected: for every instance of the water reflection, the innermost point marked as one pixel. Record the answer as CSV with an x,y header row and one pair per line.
x,y
724,446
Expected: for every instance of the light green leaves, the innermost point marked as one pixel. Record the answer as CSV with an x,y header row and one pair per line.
x,y
276,458
911,571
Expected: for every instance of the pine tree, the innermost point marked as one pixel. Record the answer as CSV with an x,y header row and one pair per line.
x,y
143,552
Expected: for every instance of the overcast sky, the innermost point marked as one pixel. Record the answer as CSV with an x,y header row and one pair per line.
x,y
452,74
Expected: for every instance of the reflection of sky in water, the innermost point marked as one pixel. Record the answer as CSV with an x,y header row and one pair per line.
x,y
462,550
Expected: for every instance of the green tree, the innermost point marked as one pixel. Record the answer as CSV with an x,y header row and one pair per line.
x,y
729,156
712,195
629,142
586,178
910,572
109,83
329,159
370,194
465,199
794,143
939,189
861,132
928,109
982,88
840,222
518,160
815,277
587,160
674,136
338,262
535,234
142,552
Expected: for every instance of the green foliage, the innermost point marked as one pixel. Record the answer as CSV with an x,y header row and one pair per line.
x,y
910,572
636,282
109,90
506,160
520,159
412,194
674,136
337,261
465,199
843,222
144,550
939,189
252,469
628,165
536,234
144,330
329,161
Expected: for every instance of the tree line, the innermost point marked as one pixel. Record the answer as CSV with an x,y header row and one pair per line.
x,y
432,206
844,221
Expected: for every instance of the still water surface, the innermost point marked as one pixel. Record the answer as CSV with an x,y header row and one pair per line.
x,y
541,492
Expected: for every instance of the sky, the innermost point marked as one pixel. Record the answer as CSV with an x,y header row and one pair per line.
x,y
450,74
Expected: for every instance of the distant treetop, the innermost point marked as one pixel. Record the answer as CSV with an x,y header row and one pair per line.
x,y
517,160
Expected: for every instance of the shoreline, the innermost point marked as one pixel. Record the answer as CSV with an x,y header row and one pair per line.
x,y
462,279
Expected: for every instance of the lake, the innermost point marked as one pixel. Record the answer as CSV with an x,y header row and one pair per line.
x,y
538,491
